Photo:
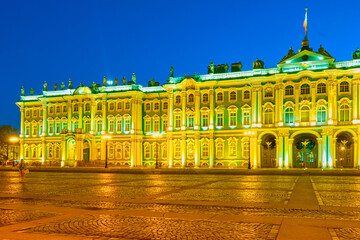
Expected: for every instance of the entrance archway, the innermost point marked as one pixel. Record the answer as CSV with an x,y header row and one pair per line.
x,y
86,151
305,151
344,150
268,151
71,149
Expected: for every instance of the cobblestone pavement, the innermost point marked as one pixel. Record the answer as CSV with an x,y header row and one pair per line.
x,y
345,233
8,217
115,226
126,206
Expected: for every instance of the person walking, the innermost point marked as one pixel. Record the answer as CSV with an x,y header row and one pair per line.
x,y
22,169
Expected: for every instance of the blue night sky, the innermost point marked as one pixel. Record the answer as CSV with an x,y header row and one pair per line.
x,y
85,40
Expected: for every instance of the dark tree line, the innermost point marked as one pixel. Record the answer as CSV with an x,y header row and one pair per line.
x,y
6,132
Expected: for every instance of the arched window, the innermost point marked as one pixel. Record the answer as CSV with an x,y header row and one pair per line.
x,y
205,97
111,106
220,149
305,89
289,90
50,152
191,98
147,107
246,94
344,113
57,152
156,106
233,96
321,88
305,114
57,110
87,107
99,106
344,87
268,92
127,151
289,116
178,99
205,150
246,149
76,107
321,114
246,118
64,109
127,105
177,150
111,150
164,150
190,150
118,106
165,106
146,151
232,149
190,120
220,97
99,126
268,116
118,151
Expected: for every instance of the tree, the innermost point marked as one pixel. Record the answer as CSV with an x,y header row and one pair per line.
x,y
6,132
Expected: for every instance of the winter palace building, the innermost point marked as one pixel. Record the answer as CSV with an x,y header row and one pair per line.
x,y
305,111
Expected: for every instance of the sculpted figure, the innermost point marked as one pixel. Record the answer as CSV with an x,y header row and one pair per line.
x,y
45,86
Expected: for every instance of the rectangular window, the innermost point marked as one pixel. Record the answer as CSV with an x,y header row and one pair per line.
x,y
177,150
205,120
118,126
246,149
87,126
156,126
177,121
65,125
111,126
51,128
57,127
233,119
34,130
127,125
99,126
246,118
147,126
191,120
219,119
165,125
40,128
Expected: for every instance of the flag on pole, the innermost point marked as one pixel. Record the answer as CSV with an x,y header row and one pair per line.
x,y
305,21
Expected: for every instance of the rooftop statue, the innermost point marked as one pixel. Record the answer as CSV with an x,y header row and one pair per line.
x,y
45,86
356,54
22,91
116,81
133,78
55,86
288,55
124,80
226,67
81,85
324,52
236,67
62,85
172,71
104,81
258,64
211,68
70,84
31,91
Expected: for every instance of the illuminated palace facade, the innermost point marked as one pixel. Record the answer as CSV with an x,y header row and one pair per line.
x,y
304,112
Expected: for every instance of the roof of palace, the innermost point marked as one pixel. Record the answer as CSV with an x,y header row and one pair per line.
x,y
305,59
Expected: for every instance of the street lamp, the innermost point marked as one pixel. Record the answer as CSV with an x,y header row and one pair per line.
x,y
157,137
106,137
13,140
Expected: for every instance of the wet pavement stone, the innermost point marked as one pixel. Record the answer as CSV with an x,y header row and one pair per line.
x,y
8,217
116,226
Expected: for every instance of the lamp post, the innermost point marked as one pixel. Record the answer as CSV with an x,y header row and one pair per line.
x,y
13,140
157,137
106,137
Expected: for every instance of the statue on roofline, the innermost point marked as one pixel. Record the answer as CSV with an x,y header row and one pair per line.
x,y
172,71
133,78
70,84
45,86
22,91
124,80
55,86
62,85
104,81
356,54
116,81
31,91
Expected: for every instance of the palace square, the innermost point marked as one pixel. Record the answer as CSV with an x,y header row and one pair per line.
x,y
302,113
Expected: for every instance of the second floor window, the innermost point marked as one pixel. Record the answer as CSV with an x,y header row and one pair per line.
x,y
344,87
233,119
220,119
191,98
289,90
246,118
305,89
220,97
205,119
246,94
205,97
321,88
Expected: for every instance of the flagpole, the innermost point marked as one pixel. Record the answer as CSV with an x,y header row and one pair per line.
x,y
305,24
